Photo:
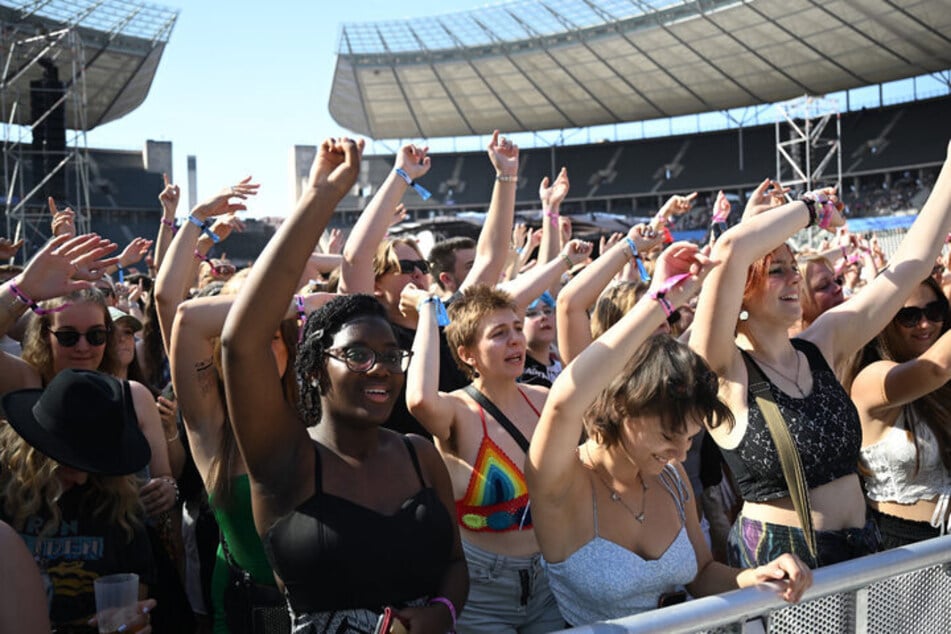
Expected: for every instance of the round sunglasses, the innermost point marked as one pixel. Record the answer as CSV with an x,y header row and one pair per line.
x,y
361,359
69,338
910,316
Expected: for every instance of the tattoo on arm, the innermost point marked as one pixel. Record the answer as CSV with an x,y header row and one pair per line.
x,y
207,376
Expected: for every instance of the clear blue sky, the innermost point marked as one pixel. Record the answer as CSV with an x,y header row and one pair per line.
x,y
241,82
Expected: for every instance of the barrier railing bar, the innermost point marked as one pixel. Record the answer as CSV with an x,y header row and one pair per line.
x,y
741,605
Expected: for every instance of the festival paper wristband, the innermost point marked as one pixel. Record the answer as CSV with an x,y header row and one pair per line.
x,y
442,317
204,228
635,254
422,191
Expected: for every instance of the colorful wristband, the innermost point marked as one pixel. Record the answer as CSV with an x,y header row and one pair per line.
x,y
551,215
452,609
636,256
442,317
32,305
170,224
204,226
422,191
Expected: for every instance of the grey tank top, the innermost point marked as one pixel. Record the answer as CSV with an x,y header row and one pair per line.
x,y
603,580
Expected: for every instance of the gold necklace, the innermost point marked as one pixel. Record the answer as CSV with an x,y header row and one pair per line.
x,y
795,381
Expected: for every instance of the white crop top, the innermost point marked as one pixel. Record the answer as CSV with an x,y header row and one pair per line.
x,y
890,473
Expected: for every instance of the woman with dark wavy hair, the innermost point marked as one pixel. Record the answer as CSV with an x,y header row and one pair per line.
x,y
903,396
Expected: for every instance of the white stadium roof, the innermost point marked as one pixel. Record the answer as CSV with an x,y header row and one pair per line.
x,y
549,64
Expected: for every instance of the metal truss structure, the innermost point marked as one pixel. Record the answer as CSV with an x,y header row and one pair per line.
x,y
809,154
68,66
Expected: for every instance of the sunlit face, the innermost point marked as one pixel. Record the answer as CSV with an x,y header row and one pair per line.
x,y
652,447
366,398
389,285
125,342
914,340
824,289
464,260
81,317
777,298
500,346
539,326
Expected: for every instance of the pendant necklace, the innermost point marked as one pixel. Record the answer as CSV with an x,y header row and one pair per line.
x,y
784,375
616,497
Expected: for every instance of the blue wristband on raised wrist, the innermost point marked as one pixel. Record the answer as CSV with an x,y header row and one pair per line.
x,y
422,191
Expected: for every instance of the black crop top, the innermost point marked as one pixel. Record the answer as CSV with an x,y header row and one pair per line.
x,y
334,554
824,425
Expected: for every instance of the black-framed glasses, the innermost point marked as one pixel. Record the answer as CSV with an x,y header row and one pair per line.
x,y
69,338
910,316
407,266
361,358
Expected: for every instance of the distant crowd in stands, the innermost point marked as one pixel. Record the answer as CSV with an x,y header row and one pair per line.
x,y
516,433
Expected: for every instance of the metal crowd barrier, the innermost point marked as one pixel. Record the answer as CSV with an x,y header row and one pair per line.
x,y
904,590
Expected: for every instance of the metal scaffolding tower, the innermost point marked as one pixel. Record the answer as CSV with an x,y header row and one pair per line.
x,y
68,66
809,155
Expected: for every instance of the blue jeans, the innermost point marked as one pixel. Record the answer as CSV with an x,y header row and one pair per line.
x,y
506,595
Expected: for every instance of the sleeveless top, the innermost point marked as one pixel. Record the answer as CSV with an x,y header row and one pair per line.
x,y
902,469
333,554
824,425
603,580
496,499
244,544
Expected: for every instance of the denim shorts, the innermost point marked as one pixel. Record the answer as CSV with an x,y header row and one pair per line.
x,y
507,594
755,543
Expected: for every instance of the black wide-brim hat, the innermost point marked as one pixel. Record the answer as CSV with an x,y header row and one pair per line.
x,y
83,419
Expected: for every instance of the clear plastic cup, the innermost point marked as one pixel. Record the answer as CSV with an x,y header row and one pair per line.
x,y
116,599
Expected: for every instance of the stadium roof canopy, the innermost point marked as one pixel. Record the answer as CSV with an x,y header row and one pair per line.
x,y
549,64
118,42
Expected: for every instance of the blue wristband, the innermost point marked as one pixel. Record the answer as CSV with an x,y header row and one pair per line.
x,y
204,228
442,317
641,269
422,191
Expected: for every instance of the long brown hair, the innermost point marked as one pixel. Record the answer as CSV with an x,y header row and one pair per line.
x,y
934,408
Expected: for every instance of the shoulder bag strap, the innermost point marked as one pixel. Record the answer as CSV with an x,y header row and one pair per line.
x,y
789,458
490,407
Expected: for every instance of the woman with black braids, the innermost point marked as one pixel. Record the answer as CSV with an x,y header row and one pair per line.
x,y
355,519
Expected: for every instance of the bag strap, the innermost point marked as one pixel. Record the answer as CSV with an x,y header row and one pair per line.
x,y
789,458
497,414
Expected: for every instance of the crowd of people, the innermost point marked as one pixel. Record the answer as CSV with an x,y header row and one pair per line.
x,y
519,433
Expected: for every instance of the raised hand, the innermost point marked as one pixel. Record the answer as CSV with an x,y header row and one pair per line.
x,y
413,160
169,197
335,241
645,237
337,166
134,252
721,208
504,155
221,202
64,222
577,251
764,197
552,195
399,214
8,248
224,226
607,242
66,264
564,226
681,258
678,205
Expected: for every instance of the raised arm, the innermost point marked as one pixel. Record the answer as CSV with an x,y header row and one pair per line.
x,y
493,243
268,430
356,269
177,273
169,197
528,286
581,293
551,196
847,327
712,335
65,264
433,409
551,464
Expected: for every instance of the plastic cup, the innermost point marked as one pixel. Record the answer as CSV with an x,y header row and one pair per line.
x,y
117,597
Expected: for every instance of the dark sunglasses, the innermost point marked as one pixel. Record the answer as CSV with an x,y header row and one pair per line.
x,y
407,266
910,316
69,338
361,359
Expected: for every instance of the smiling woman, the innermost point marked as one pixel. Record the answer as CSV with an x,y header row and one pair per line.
x,y
903,396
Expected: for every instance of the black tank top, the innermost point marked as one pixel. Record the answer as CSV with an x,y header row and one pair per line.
x,y
334,554
824,425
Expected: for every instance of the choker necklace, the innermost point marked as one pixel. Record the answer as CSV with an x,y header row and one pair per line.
x,y
784,375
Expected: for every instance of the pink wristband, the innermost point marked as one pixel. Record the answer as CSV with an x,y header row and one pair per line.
x,y
551,215
452,609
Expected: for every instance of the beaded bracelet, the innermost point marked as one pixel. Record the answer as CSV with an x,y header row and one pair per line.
x,y
32,305
422,191
567,261
452,609
506,178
